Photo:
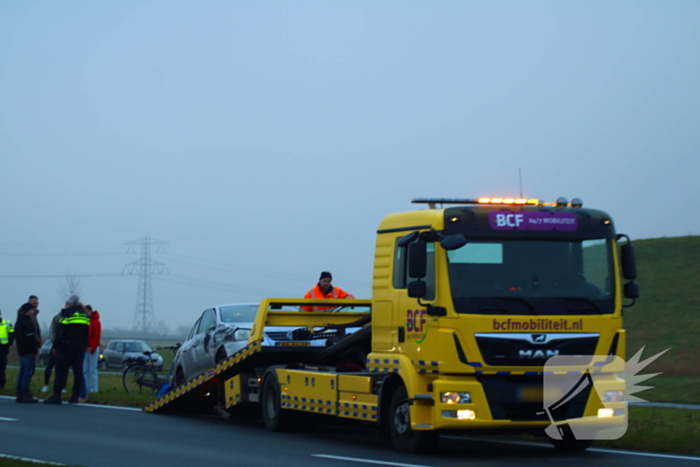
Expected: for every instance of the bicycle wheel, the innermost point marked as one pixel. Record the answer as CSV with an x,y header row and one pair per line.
x,y
139,379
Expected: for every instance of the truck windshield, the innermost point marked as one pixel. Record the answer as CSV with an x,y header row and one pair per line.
x,y
532,277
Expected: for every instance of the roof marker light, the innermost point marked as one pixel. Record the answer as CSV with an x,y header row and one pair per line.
x,y
576,203
562,202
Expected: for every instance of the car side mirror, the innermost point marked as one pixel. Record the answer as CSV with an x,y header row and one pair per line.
x,y
629,262
453,242
631,290
417,260
417,289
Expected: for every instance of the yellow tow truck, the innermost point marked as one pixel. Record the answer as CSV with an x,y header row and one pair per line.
x,y
473,301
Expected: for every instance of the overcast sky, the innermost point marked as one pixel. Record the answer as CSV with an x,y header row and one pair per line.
x,y
265,141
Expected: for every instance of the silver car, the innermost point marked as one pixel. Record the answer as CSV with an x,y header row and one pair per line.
x,y
45,350
223,330
119,351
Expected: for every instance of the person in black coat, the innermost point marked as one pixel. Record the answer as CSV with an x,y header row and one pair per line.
x,y
69,348
28,339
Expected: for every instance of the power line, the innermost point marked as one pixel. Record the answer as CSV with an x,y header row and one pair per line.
x,y
145,267
237,267
61,254
225,287
46,276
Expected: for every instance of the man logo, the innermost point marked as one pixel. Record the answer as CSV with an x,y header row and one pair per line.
x,y
538,353
539,337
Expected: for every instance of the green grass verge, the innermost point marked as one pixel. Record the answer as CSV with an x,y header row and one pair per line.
x,y
660,429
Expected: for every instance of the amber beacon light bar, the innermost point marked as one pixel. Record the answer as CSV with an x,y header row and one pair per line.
x,y
432,202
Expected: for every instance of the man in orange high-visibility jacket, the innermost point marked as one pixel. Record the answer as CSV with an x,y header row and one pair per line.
x,y
324,289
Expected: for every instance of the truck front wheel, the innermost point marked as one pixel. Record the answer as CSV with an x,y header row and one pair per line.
x,y
274,417
404,437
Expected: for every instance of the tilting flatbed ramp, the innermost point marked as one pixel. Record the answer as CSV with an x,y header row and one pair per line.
x,y
202,393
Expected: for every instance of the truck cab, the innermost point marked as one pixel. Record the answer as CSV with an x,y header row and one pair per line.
x,y
477,295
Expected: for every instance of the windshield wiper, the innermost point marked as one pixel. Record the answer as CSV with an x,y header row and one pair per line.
x,y
517,299
593,304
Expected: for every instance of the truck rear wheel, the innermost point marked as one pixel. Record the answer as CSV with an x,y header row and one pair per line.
x,y
274,417
404,437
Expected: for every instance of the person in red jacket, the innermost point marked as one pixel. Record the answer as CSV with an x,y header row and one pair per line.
x,y
92,354
324,289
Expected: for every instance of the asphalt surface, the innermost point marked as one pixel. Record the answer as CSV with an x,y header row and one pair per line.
x,y
102,436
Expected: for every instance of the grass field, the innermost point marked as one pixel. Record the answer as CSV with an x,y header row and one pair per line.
x,y
668,312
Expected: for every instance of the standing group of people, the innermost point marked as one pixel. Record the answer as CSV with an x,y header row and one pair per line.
x,y
75,334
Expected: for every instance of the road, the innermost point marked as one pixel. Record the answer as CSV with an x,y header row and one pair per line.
x,y
102,436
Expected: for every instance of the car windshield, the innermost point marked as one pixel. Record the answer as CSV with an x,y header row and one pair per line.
x,y
238,313
137,347
538,277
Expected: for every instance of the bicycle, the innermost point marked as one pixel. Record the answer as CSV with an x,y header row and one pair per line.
x,y
140,375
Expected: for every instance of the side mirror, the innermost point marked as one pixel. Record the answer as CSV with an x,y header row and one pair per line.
x,y
417,289
629,262
631,290
453,242
417,260
408,239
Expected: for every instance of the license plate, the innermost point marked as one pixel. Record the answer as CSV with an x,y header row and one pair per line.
x,y
537,394
293,344
530,394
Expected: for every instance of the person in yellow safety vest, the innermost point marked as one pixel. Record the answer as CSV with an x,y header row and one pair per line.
x,y
69,347
7,338
324,289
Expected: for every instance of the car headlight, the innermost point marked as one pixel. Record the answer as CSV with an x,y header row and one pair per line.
x,y
241,334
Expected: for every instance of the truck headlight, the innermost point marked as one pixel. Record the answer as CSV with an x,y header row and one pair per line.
x,y
614,396
241,334
455,398
459,414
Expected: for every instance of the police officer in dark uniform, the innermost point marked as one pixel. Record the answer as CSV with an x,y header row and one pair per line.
x,y
69,348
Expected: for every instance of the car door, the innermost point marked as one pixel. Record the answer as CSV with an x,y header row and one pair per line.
x,y
113,354
187,359
204,350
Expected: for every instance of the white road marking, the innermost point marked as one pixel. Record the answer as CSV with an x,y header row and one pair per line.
x,y
607,451
367,461
113,407
28,459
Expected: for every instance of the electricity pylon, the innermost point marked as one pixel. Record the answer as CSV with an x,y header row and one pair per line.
x,y
145,267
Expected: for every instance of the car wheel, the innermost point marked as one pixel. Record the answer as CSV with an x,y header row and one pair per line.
x,y
274,417
404,437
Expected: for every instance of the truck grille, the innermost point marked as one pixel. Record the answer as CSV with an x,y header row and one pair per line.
x,y
522,349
